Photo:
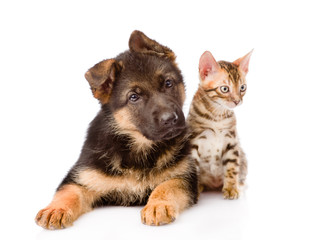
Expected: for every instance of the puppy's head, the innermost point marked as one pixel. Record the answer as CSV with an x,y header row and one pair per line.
x,y
144,89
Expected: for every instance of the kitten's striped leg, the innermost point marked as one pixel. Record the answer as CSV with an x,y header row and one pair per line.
x,y
196,156
230,162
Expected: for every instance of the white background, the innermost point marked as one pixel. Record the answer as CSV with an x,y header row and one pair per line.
x,y
46,106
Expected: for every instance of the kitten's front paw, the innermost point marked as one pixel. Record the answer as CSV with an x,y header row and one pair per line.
x,y
158,213
230,193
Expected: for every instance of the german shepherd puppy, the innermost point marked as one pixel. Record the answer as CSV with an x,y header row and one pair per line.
x,y
136,149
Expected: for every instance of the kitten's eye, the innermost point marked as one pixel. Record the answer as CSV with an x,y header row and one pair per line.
x,y
224,89
243,88
134,97
168,83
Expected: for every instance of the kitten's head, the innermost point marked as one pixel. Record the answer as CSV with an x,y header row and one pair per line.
x,y
223,81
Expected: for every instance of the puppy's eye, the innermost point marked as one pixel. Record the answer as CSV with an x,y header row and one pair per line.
x,y
243,88
168,83
224,89
134,97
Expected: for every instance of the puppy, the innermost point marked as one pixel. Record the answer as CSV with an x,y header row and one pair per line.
x,y
136,151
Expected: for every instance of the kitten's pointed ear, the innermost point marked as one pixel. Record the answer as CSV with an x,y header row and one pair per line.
x,y
243,62
101,78
207,65
139,42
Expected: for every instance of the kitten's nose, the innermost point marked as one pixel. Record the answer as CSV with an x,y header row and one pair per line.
x,y
236,102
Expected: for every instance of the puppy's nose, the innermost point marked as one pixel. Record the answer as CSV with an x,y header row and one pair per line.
x,y
168,119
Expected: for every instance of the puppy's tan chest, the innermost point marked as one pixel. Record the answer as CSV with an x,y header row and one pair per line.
x,y
98,182
131,182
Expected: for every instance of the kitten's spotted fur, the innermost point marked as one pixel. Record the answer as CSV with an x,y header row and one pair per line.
x,y
220,159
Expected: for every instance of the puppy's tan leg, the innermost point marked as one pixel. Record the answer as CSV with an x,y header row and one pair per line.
x,y
68,204
165,203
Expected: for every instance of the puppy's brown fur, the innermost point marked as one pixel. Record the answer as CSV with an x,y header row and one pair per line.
x,y
136,150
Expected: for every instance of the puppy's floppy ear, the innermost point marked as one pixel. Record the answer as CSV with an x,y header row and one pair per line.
x,y
139,42
101,78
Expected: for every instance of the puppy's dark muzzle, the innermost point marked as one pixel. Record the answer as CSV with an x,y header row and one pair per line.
x,y
169,119
172,124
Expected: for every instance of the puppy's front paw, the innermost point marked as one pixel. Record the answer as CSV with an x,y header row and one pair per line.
x,y
158,213
54,218
230,192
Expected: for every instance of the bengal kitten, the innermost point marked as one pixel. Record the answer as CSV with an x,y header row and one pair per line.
x,y
220,159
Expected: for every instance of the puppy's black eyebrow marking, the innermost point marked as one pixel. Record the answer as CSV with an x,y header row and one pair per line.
x,y
134,88
137,90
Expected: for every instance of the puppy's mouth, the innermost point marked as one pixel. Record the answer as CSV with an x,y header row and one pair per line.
x,y
171,133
